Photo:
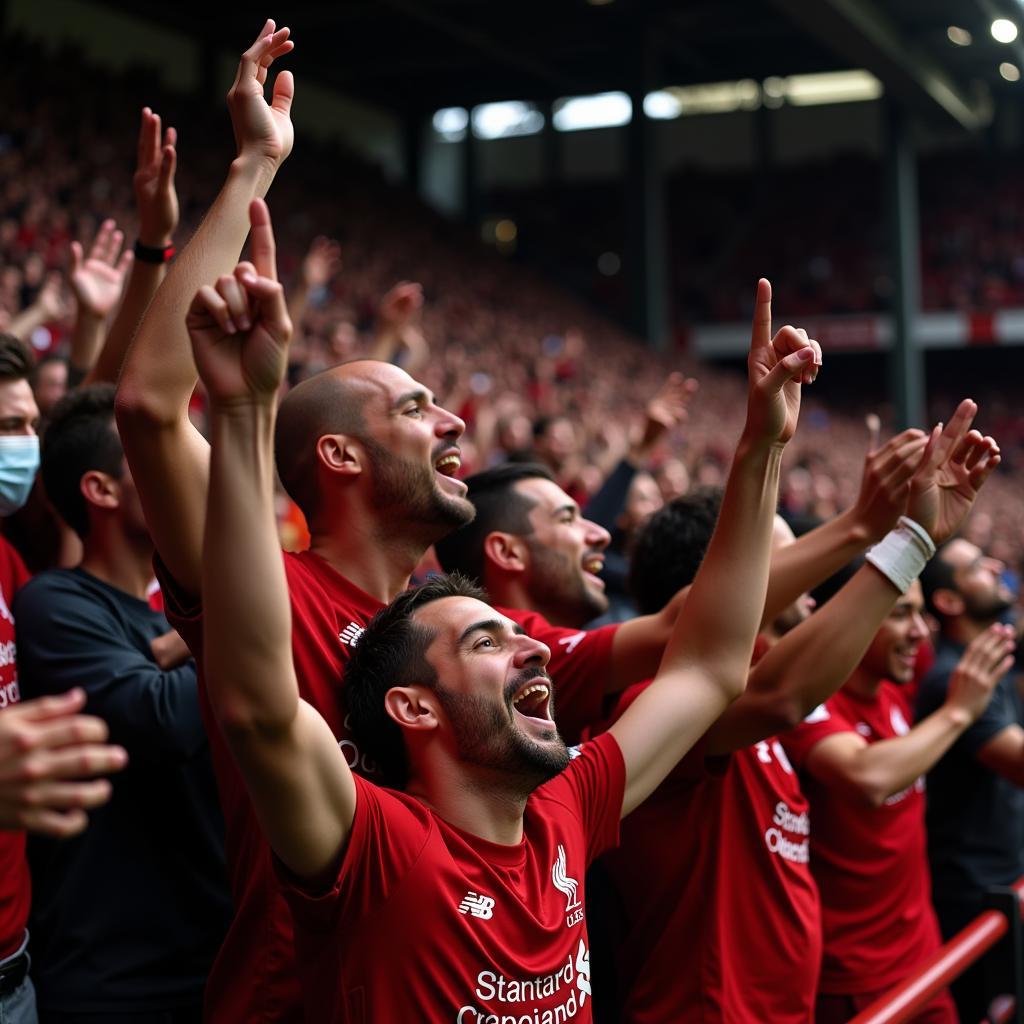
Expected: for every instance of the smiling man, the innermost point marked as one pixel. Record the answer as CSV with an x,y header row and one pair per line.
x,y
453,699
863,765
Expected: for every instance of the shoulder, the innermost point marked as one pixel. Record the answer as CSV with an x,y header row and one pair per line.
x,y
51,585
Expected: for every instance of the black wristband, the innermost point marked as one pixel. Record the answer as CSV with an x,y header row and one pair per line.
x,y
152,254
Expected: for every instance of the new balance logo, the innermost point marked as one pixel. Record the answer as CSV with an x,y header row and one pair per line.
x,y
570,643
477,904
350,635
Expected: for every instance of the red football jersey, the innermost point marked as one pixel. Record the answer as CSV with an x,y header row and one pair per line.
x,y
712,872
870,863
16,889
429,923
328,616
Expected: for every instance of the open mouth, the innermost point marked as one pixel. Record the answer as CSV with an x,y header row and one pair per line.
x,y
447,466
534,700
592,566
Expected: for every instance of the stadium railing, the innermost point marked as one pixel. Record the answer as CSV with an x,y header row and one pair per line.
x,y
952,959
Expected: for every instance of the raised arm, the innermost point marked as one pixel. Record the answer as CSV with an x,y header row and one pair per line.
x,y
296,774
813,660
706,662
168,457
157,202
875,771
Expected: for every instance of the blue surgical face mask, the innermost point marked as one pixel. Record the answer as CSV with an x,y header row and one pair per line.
x,y
19,463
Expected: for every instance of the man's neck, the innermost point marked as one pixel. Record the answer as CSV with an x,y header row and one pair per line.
x,y
962,630
864,683
479,803
119,561
380,567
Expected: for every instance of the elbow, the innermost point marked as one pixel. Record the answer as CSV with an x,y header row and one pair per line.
x,y
137,408
873,791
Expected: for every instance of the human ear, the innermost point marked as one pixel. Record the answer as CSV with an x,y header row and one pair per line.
x,y
411,707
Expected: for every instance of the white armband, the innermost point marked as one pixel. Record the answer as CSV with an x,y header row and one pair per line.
x,y
902,553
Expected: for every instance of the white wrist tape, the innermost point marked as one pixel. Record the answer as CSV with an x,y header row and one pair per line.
x,y
902,553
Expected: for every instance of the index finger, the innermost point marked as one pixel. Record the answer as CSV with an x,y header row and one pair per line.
x,y
149,137
264,250
956,429
761,335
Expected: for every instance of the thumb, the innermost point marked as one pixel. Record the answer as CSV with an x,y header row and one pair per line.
x,y
284,93
168,163
786,369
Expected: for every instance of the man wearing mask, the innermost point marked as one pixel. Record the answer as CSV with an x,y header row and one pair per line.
x,y
60,744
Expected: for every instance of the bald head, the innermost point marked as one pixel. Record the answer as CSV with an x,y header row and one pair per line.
x,y
330,402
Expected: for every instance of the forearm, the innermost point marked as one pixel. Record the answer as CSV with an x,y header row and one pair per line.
x,y
159,373
890,766
808,665
811,559
249,669
27,321
724,606
86,342
143,282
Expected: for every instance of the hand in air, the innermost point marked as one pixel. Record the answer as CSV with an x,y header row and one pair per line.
x,y
776,369
953,469
98,279
240,327
155,195
263,130
885,481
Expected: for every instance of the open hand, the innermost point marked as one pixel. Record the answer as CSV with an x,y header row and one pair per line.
x,y
953,469
987,659
776,368
321,262
155,195
49,755
240,328
263,130
400,306
885,482
98,279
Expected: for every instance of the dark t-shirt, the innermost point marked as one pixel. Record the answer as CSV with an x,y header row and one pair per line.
x,y
129,914
975,817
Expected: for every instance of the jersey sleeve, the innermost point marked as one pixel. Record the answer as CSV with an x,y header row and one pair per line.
x,y
386,839
825,720
580,666
592,789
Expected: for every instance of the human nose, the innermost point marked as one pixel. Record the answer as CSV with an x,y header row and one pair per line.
x,y
596,535
448,424
530,651
918,627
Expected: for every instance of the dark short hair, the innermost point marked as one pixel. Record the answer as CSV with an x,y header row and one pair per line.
x,y
392,652
16,360
81,437
670,547
938,574
325,403
499,507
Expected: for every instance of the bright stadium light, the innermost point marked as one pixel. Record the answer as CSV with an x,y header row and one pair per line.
x,y
504,120
709,98
959,36
832,87
450,123
603,110
1004,30
1009,71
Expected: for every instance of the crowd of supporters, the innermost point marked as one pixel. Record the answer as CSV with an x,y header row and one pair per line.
x,y
620,519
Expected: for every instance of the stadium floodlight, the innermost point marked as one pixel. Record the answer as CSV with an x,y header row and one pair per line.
x,y
450,123
602,110
1009,71
1004,30
504,120
709,98
832,87
959,36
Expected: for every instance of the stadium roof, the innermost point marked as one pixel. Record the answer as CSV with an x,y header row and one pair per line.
x,y
421,55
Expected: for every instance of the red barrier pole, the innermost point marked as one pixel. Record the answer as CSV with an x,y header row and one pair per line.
x,y
912,995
